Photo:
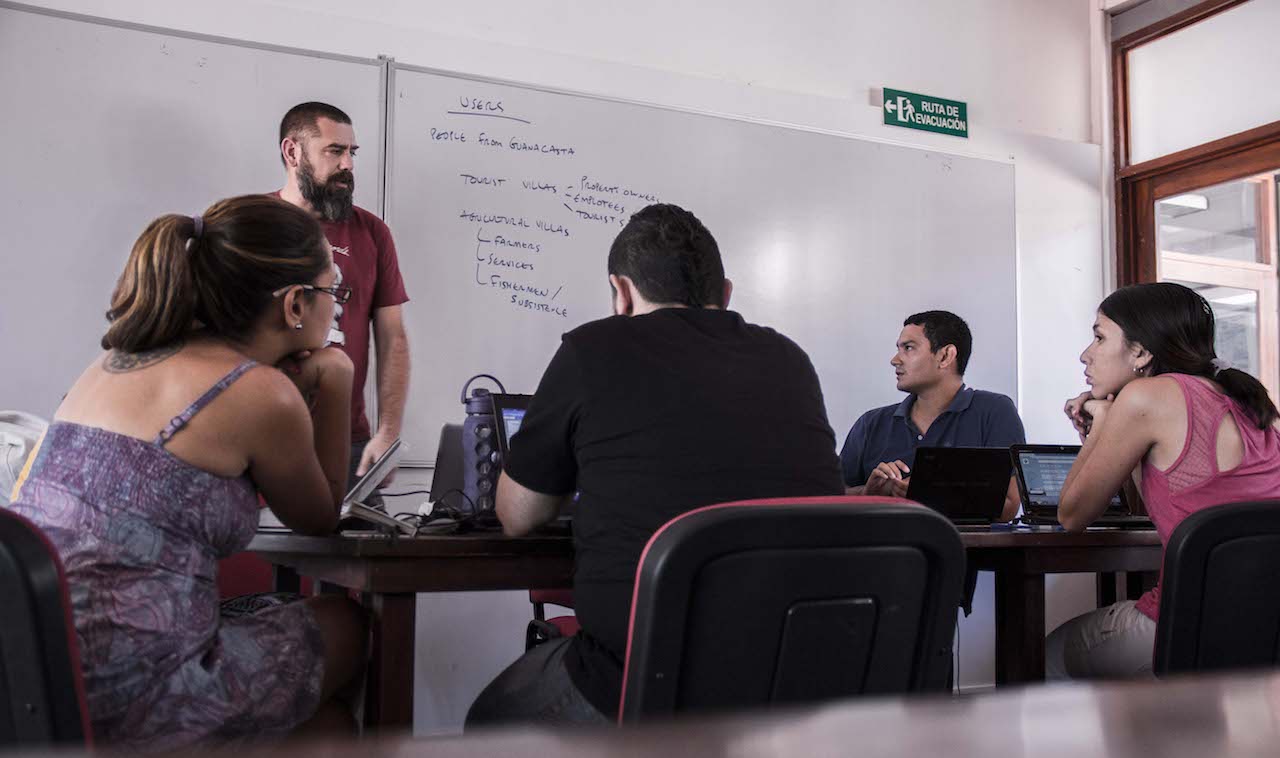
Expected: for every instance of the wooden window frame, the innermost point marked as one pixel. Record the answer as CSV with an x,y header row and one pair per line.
x,y
1139,186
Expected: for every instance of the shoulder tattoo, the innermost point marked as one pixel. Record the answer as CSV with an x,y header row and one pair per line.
x,y
120,362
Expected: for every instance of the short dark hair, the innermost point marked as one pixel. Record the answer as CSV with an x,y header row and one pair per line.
x,y
944,328
670,257
301,120
1176,325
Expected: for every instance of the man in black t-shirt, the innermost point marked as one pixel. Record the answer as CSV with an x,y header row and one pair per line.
x,y
672,404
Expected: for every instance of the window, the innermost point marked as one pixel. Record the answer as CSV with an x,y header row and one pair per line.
x,y
1205,217
1221,242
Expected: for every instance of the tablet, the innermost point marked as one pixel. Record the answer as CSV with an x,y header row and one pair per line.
x,y
374,476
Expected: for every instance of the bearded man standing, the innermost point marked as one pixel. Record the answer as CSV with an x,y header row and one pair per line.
x,y
318,149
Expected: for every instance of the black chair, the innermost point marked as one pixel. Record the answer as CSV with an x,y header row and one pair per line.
x,y
1219,602
42,699
792,601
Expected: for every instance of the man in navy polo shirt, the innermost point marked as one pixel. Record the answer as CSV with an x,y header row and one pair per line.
x,y
939,411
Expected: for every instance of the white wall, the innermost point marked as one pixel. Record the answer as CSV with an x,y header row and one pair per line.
x,y
1027,68
1210,80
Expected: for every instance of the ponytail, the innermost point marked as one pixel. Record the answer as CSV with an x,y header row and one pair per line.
x,y
215,272
154,302
1248,392
1177,326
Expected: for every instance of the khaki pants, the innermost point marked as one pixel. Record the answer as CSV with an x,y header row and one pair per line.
x,y
1115,642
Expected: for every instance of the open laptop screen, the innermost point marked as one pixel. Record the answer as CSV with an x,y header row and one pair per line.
x,y
1045,474
965,484
1042,472
508,411
511,418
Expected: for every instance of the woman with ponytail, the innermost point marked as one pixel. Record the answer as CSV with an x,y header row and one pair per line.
x,y
152,469
1191,432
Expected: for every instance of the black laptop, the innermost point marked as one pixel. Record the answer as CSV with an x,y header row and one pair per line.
x,y
508,412
446,476
1041,471
966,484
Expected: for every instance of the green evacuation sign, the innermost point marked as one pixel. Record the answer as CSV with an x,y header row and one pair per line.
x,y
932,114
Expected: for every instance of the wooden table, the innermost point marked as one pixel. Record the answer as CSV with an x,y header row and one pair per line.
x,y
1021,558
388,572
1217,716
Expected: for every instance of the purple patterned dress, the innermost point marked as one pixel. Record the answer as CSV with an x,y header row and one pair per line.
x,y
140,533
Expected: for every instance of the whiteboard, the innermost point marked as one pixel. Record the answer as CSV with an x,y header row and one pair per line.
x,y
504,199
108,126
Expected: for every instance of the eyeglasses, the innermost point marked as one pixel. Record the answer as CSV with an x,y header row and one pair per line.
x,y
340,292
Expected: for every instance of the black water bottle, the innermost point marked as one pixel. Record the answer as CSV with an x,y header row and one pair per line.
x,y
481,461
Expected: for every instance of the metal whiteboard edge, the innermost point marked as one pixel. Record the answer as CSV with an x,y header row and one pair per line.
x,y
386,119
85,18
133,26
385,104
696,112
1018,373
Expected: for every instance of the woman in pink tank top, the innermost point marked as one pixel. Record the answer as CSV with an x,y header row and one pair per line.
x,y
1191,431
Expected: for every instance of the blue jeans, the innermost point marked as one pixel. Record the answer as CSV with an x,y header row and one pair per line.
x,y
535,689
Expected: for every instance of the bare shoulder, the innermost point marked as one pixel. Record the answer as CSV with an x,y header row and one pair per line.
x,y
268,391
1151,395
1157,410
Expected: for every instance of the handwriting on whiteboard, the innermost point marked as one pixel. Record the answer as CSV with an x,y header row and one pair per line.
x,y
523,211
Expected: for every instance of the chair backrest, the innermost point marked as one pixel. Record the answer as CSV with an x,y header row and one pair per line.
x,y
562,598
1220,591
42,699
788,601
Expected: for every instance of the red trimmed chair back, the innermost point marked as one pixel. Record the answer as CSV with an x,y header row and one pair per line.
x,y
542,598
542,629
42,699
788,601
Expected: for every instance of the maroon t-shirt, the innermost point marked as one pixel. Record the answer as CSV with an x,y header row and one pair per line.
x,y
364,251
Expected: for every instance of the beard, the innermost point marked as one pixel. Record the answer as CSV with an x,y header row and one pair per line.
x,y
332,202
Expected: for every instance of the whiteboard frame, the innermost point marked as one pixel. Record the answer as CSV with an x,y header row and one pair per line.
x,y
393,67
134,26
382,63
385,79
388,67
386,113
